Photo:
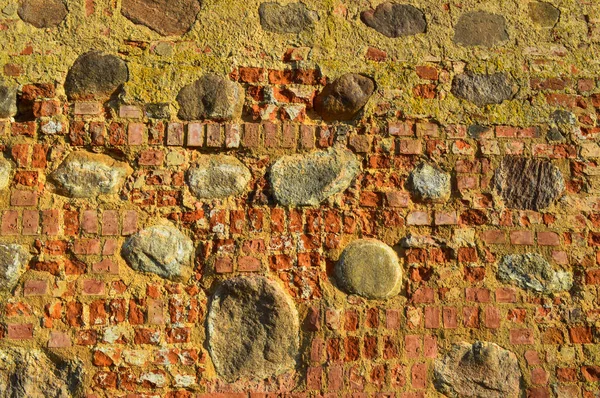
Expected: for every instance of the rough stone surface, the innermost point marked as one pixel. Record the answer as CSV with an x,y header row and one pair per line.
x,y
217,176
5,173
43,13
87,175
483,89
289,18
528,184
531,271
430,183
210,97
395,20
369,268
8,101
95,75
13,261
166,17
252,329
543,13
478,370
480,28
310,179
162,250
344,97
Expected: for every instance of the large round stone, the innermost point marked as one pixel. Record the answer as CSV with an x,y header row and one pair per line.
x,y
480,28
95,75
344,98
13,262
8,101
5,173
531,271
483,89
217,176
87,175
369,268
43,13
289,18
252,329
210,97
528,183
166,17
310,179
162,250
430,183
478,370
395,20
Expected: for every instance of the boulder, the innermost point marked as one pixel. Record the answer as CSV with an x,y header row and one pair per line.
x,y
289,18
217,177
13,263
166,17
95,75
395,20
429,183
210,97
43,13
531,271
344,98
483,89
480,28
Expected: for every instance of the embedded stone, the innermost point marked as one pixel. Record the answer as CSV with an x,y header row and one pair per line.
x,y
476,370
430,183
166,17
13,261
531,271
252,329
289,18
87,175
95,75
210,97
217,176
162,250
5,173
543,14
528,183
369,268
395,20
43,13
8,101
480,28
344,98
310,179
483,89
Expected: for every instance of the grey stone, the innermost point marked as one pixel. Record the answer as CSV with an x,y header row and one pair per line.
x,y
162,250
430,183
480,28
544,14
310,179
217,176
13,261
289,18
157,111
483,89
252,329
95,75
166,17
344,98
531,271
527,183
369,268
477,371
395,20
475,131
8,101
87,175
5,173
43,13
210,97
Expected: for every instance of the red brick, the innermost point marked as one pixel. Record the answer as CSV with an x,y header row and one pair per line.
x,y
23,198
521,336
521,238
580,335
10,222
20,331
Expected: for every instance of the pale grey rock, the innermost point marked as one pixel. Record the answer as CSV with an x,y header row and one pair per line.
x,y
395,20
480,28
8,101
482,89
289,18
13,262
211,97
217,177
531,271
430,183
5,173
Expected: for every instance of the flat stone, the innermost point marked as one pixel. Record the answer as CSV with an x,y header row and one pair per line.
x,y
531,271
483,89
528,183
13,262
344,98
162,250
87,175
480,28
43,13
478,370
8,101
310,179
395,20
95,75
217,176
430,183
369,268
252,329
5,173
166,17
210,97
289,18
544,14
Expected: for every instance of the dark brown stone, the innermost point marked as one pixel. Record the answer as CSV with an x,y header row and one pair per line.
x,y
166,17
395,20
345,97
95,75
480,28
43,13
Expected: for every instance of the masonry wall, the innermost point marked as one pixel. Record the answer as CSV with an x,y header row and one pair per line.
x,y
496,241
